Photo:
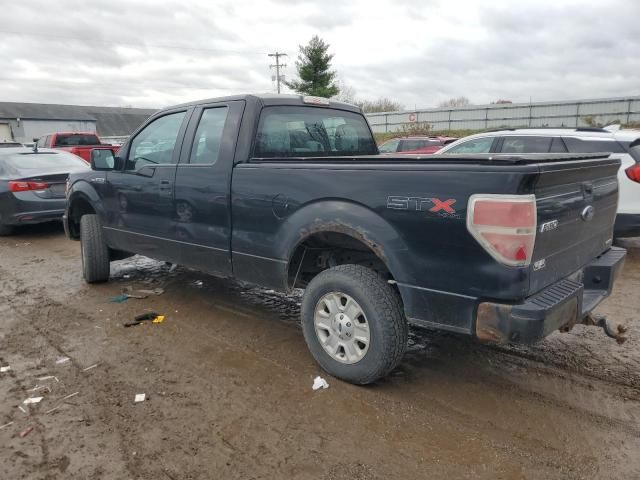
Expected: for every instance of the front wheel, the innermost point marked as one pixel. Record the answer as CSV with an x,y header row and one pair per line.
x,y
94,250
354,324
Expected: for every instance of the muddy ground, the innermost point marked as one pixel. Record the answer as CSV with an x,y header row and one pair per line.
x,y
228,384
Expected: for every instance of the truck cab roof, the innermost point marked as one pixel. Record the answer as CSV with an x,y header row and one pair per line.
x,y
272,99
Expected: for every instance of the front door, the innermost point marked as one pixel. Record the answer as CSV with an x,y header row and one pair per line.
x,y
140,194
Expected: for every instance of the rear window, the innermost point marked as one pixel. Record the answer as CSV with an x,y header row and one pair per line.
x,y
586,145
312,132
35,163
73,140
634,150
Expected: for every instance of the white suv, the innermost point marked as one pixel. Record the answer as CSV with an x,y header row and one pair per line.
x,y
623,144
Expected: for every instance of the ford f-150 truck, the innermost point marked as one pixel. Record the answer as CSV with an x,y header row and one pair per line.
x,y
78,143
290,192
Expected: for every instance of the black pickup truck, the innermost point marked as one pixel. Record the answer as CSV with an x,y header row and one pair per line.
x,y
290,192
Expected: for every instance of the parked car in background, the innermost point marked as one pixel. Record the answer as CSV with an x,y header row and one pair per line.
x,y
415,145
78,143
286,192
622,144
32,185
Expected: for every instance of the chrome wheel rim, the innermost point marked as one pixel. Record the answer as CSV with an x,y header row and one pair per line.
x,y
342,327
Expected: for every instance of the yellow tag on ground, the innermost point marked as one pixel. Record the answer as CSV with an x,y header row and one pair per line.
x,y
158,319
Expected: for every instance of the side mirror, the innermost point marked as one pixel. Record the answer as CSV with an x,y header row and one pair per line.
x,y
102,159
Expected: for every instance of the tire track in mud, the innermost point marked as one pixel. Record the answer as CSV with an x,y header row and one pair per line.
x,y
30,317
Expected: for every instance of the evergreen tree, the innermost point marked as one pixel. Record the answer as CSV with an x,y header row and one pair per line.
x,y
313,67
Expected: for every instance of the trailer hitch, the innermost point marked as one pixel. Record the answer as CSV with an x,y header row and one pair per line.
x,y
602,322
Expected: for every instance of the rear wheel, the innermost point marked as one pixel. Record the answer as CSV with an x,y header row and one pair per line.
x,y
354,324
5,230
94,250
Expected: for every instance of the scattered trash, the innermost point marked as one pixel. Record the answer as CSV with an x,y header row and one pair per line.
x,y
69,396
5,369
119,298
48,377
6,425
26,432
51,410
31,400
22,409
140,397
89,368
61,360
173,267
140,294
198,283
152,316
319,383
39,387
126,275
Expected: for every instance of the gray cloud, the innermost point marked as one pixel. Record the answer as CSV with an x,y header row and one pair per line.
x,y
114,52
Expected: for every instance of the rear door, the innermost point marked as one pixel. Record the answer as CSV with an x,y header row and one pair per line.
x,y
576,202
202,187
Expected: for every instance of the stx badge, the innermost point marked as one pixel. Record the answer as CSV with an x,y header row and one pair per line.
x,y
443,208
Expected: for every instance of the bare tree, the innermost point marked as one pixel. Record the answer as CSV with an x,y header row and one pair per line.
x,y
382,104
455,102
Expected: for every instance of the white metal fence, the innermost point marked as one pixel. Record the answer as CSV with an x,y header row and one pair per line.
x,y
539,114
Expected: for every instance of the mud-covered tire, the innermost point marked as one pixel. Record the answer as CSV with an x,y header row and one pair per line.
x,y
5,230
94,250
382,307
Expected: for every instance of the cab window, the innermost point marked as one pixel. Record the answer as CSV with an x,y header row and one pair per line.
x,y
155,144
312,132
206,143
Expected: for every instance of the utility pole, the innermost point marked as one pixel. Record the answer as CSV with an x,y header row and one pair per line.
x,y
278,65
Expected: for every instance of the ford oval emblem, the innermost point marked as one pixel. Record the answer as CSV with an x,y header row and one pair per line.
x,y
587,213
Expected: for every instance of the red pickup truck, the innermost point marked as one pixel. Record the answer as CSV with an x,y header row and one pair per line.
x,y
78,143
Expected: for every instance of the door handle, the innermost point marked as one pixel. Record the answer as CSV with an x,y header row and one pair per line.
x,y
165,185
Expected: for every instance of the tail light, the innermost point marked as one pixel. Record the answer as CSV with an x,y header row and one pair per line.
x,y
21,186
633,172
505,226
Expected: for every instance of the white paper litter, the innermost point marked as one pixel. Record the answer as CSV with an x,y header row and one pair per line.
x,y
60,360
319,383
32,400
5,369
140,397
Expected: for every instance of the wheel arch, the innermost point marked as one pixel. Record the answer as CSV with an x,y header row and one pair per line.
x,y
82,201
340,225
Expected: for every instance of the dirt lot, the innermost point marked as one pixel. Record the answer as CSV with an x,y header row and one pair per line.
x,y
228,383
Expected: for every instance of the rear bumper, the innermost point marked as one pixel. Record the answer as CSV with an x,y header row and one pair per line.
x,y
558,306
627,225
33,216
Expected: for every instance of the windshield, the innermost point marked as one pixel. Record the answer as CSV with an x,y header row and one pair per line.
x,y
312,132
75,139
27,164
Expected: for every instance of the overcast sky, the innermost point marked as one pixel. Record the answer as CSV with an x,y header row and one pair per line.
x,y
155,53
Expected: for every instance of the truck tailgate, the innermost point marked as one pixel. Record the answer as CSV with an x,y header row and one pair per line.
x,y
576,202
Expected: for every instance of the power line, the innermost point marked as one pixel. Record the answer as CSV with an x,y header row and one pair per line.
x,y
131,44
278,65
